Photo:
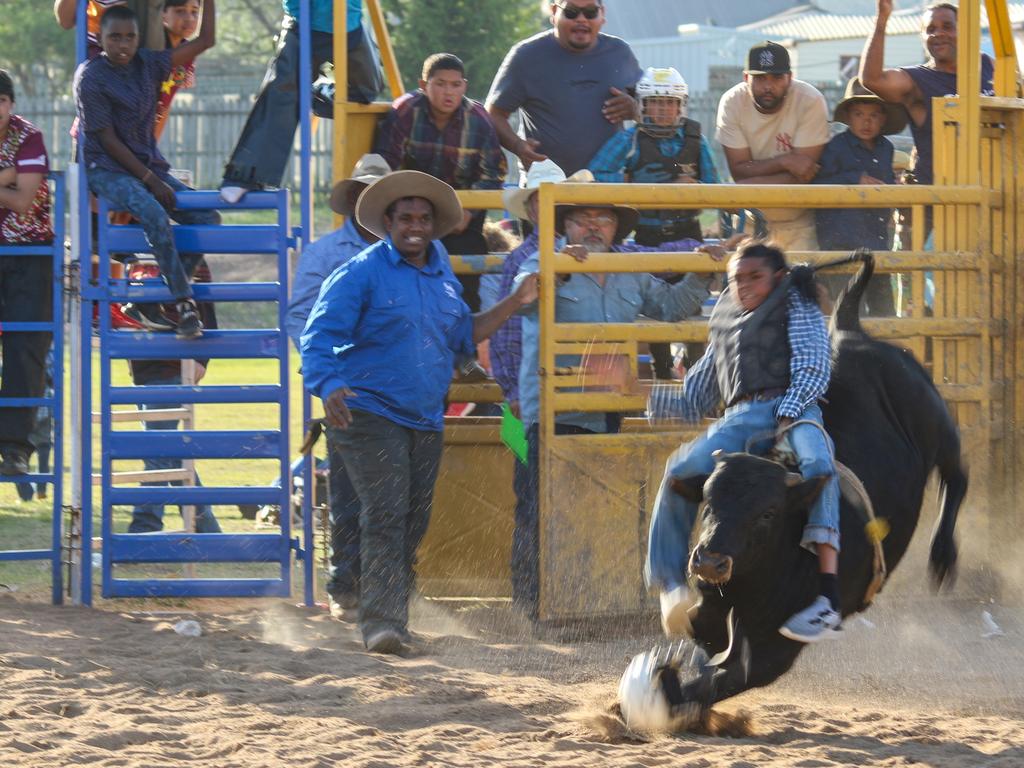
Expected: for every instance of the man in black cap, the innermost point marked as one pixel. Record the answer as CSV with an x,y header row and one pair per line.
x,y
773,129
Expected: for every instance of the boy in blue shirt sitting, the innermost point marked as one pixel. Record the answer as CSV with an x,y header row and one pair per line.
x,y
860,155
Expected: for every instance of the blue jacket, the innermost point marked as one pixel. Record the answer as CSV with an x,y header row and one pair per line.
x,y
389,332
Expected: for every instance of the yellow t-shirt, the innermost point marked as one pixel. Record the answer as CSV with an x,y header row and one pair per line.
x,y
802,122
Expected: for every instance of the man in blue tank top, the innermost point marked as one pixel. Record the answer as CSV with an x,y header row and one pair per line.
x,y
914,87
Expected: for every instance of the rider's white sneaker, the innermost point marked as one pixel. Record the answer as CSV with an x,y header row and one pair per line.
x,y
818,621
675,617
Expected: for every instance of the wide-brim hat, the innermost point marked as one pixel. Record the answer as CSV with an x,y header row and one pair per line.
x,y
628,218
369,169
541,172
380,194
895,114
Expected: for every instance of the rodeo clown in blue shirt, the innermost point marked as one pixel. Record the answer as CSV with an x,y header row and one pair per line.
x,y
379,349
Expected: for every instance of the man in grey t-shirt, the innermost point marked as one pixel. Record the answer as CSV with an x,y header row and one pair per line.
x,y
571,84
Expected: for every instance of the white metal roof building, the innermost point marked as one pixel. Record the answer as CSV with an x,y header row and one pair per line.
x,y
821,43
695,50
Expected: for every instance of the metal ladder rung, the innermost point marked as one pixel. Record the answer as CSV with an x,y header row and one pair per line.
x,y
167,414
146,476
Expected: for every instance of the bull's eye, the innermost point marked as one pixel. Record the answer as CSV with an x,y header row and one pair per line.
x,y
768,514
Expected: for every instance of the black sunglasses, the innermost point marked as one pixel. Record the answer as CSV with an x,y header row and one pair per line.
x,y
571,11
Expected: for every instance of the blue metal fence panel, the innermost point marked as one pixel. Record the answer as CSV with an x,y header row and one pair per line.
x,y
195,588
215,393
99,292
192,547
125,444
152,291
54,251
195,238
195,444
145,345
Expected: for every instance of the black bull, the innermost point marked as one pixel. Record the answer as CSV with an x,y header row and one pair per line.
x,y
892,428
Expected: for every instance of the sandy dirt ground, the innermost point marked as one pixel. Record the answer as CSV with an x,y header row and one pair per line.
x,y
274,684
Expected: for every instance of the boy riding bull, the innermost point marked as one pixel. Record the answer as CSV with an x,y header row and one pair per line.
x,y
769,361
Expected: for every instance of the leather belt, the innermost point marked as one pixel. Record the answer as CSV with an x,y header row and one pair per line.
x,y
759,396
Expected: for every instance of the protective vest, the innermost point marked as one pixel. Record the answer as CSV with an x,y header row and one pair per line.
x,y
752,350
687,161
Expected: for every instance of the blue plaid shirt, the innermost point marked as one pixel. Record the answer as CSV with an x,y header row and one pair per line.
x,y
810,367
620,154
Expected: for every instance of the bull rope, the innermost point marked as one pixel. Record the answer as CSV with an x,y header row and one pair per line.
x,y
876,528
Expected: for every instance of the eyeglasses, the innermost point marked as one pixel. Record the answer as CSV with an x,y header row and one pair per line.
x,y
601,220
571,11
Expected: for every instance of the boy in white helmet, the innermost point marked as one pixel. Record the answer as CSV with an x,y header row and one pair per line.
x,y
664,147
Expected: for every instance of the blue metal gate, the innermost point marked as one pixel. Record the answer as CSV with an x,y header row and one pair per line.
x,y
55,252
118,444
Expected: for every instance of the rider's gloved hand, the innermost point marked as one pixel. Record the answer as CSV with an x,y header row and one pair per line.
x,y
655,173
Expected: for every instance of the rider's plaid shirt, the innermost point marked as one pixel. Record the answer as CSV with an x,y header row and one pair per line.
x,y
810,367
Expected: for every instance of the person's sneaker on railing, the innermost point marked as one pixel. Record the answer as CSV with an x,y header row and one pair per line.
x,y
189,324
149,316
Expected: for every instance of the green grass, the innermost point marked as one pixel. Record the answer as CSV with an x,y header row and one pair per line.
x,y
26,525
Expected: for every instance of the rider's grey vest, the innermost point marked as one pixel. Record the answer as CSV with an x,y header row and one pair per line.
x,y
751,348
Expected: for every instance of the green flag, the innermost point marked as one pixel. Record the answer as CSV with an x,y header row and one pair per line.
x,y
512,433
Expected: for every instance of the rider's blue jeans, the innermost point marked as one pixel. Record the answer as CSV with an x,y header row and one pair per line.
x,y
668,546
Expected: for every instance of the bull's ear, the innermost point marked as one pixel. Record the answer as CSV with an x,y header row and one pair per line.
x,y
802,494
691,489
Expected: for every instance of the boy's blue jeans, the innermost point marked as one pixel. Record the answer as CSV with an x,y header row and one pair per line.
x,y
125,192
668,546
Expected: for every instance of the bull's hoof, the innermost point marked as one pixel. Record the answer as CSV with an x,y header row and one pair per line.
x,y
666,689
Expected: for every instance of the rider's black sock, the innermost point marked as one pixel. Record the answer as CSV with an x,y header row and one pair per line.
x,y
829,584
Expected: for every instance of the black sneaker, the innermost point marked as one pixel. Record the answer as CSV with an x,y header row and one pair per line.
x,y
149,316
189,324
15,462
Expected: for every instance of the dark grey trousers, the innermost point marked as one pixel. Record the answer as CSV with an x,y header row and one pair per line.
x,y
262,151
393,470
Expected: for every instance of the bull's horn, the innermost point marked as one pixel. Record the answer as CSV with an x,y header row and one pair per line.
x,y
718,454
793,479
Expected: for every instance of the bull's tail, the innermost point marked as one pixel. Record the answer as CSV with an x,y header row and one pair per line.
x,y
846,317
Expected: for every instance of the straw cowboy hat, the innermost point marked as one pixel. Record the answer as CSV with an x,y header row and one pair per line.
x,y
895,114
369,168
400,184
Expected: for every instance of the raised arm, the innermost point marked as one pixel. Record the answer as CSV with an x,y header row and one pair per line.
x,y
206,39
64,12
893,85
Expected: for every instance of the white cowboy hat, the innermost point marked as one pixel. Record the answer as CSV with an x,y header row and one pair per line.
x,y
369,169
380,194
544,171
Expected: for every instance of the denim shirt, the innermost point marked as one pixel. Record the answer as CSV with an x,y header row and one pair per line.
x,y
318,260
843,161
390,332
581,299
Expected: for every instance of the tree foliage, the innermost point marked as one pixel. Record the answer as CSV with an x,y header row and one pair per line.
x,y
39,54
479,32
